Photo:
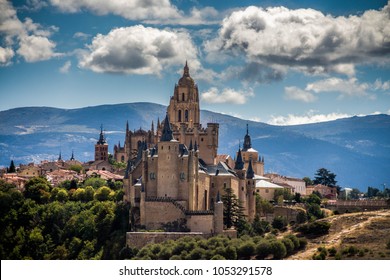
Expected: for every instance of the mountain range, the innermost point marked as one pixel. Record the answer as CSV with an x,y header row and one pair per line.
x,y
356,149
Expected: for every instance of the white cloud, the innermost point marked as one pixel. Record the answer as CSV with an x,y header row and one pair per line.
x,y
309,117
350,87
65,68
296,93
304,39
6,54
151,11
378,85
346,87
36,48
32,38
81,35
139,50
227,95
129,9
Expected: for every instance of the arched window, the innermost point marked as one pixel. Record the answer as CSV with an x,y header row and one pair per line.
x,y
186,116
179,116
182,96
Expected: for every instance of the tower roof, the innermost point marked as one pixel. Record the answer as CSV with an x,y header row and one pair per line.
x,y
102,139
250,174
239,162
186,79
247,140
167,134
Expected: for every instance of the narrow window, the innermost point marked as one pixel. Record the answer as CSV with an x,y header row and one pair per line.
x,y
186,116
179,116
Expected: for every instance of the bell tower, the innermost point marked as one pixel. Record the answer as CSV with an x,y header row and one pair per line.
x,y
184,104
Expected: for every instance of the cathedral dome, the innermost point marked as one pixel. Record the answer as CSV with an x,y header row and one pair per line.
x,y
186,79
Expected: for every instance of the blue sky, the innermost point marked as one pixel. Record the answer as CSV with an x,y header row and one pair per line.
x,y
279,62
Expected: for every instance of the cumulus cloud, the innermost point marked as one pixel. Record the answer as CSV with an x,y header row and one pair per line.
x,y
309,117
6,55
130,9
295,93
65,68
304,39
151,11
227,95
346,87
32,39
139,50
350,87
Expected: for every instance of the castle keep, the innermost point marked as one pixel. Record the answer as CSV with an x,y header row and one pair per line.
x,y
173,175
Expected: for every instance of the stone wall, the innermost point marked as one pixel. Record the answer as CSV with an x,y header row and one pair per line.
x,y
201,223
159,212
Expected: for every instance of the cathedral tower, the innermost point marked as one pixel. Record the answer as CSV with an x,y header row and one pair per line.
x,y
184,104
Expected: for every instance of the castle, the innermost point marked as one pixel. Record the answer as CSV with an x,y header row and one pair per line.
x,y
173,174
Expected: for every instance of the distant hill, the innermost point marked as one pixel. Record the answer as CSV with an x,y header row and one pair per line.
x,y
356,149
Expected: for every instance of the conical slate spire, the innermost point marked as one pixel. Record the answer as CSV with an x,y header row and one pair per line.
x,y
250,174
72,158
167,134
195,146
239,162
102,140
190,148
218,197
60,157
247,140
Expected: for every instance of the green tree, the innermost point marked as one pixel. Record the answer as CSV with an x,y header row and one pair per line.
x,y
233,213
279,223
308,181
38,189
324,177
104,193
12,168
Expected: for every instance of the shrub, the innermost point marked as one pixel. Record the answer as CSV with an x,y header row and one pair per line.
x,y
302,243
263,249
246,250
295,240
289,245
337,256
278,249
332,251
352,250
315,228
279,223
230,253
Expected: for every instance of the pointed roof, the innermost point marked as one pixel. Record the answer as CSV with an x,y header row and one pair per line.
x,y
72,158
250,174
247,140
218,199
167,134
195,146
190,147
102,139
59,157
239,162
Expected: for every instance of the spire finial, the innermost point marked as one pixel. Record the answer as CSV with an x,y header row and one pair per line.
x,y
247,129
186,70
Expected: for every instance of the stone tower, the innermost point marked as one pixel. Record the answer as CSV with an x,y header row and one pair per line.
x,y
250,154
101,147
184,104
